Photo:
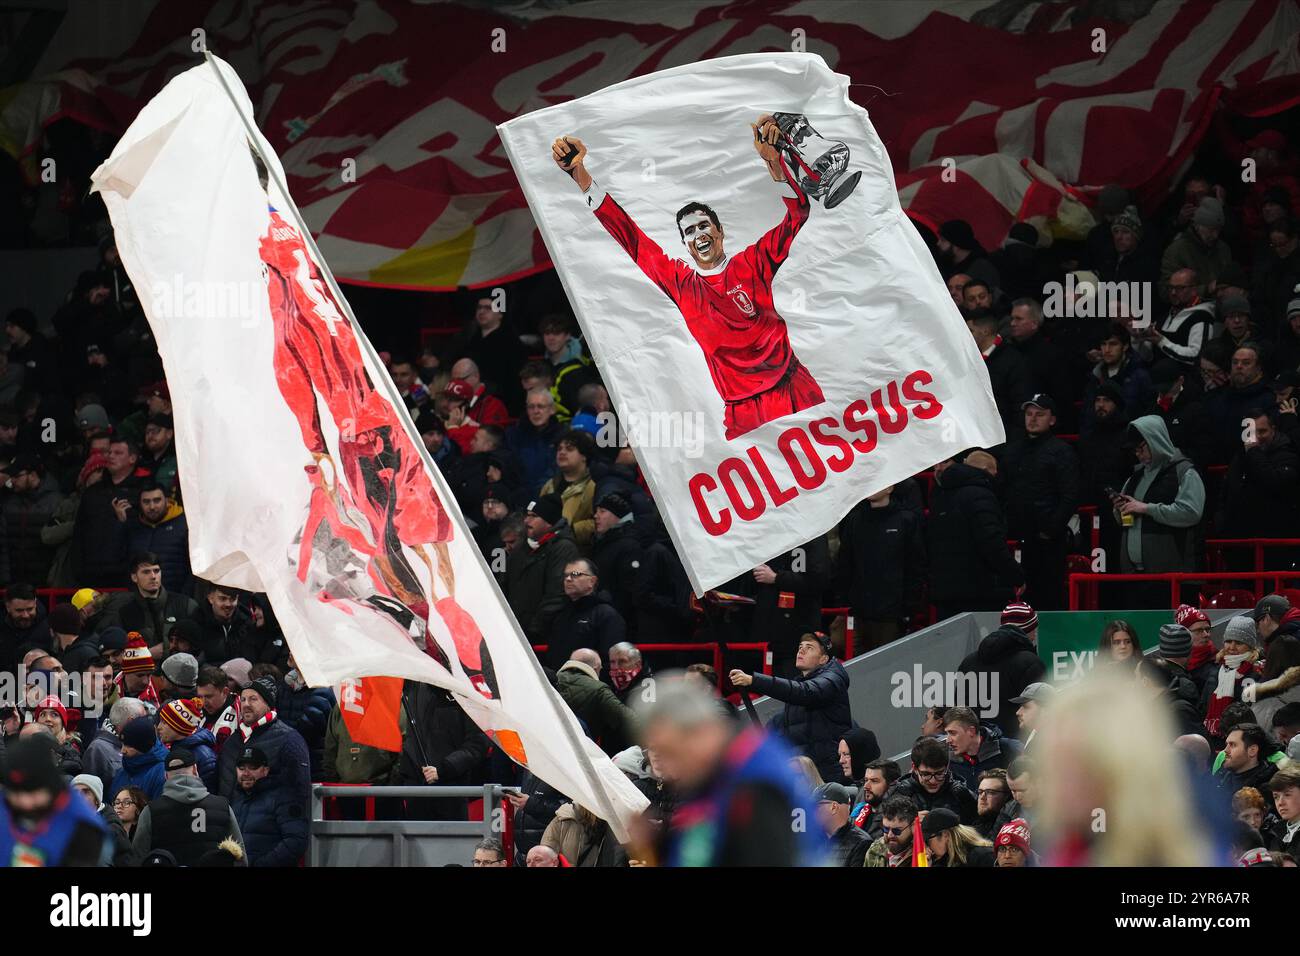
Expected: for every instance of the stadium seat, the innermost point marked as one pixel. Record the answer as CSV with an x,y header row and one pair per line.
x,y
1229,598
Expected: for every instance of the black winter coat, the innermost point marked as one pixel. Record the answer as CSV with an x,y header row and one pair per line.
x,y
285,750
1012,656
169,539
816,714
221,641
1042,485
953,795
880,569
24,516
438,734
1012,384
272,823
535,580
98,538
308,712
152,617
590,621
802,575
966,536
663,611
1261,494
619,553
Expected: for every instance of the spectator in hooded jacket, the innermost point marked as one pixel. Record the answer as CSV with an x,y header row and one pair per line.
x,y
1042,495
816,714
971,567
1009,658
881,567
143,755
1159,506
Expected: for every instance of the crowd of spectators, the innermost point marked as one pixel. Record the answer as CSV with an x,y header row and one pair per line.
x,y
1177,423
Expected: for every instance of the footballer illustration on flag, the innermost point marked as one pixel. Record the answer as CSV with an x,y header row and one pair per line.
x,y
730,237
726,301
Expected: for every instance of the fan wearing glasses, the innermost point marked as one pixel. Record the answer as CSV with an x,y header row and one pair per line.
x,y
588,618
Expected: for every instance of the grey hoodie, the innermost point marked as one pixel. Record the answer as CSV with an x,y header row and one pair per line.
x,y
1183,512
184,788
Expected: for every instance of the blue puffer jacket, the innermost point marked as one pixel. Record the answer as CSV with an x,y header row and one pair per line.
x,y
148,771
273,823
816,714
203,745
308,712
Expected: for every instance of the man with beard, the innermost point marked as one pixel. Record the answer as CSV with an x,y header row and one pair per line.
x,y
959,251
220,706
992,794
42,821
149,608
894,846
160,527
1185,331
878,777
1246,763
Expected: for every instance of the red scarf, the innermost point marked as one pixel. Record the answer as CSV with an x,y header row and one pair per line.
x,y
262,721
1202,654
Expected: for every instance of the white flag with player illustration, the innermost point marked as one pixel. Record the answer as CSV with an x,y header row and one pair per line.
x,y
301,472
775,336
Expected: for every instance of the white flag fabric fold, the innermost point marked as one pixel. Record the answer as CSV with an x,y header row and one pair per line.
x,y
771,327
301,474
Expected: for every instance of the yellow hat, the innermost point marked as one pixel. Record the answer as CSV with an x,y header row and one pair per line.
x,y
84,597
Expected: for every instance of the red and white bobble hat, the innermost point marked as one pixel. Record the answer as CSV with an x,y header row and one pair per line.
x,y
1021,615
183,716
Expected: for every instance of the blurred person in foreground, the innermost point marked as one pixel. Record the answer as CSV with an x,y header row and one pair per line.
x,y
1141,788
737,793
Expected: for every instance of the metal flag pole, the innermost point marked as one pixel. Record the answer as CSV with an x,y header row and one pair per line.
x,y
395,399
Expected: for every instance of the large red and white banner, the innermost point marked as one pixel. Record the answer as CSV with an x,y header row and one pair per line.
x,y
1026,106
773,330
302,475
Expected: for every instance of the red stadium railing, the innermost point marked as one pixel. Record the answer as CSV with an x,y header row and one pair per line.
x,y
1215,547
53,596
1263,582
714,647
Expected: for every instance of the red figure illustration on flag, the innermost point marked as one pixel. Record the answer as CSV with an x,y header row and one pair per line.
x,y
726,301
372,501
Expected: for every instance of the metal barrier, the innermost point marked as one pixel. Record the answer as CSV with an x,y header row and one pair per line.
x,y
403,842
713,646
1263,582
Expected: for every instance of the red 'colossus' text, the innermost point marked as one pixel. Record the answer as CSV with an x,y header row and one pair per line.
x,y
745,487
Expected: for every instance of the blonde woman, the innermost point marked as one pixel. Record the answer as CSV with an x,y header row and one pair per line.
x,y
949,843
808,770
1113,791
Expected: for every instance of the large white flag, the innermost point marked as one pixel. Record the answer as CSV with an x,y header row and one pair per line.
x,y
773,331
301,473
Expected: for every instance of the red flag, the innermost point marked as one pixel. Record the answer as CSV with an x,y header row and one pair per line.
x,y
370,707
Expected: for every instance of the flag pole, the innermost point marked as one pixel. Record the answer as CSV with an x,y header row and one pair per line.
x,y
395,399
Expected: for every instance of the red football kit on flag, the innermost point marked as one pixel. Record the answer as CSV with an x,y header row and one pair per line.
x,y
317,354
730,313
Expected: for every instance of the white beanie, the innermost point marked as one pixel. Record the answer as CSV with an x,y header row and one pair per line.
x,y
92,783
